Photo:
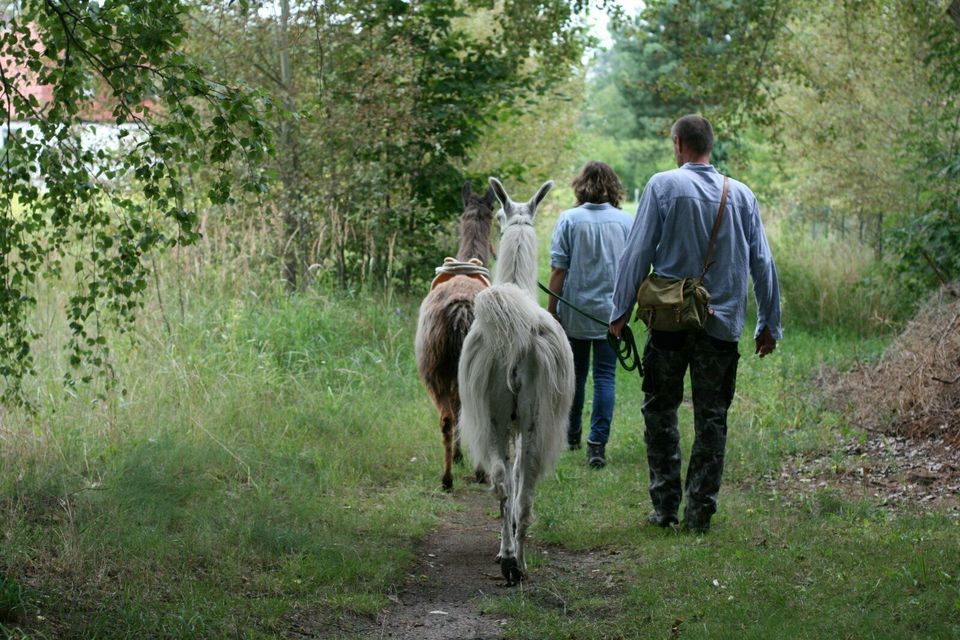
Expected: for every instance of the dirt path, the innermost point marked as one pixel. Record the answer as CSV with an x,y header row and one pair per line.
x,y
453,571
440,598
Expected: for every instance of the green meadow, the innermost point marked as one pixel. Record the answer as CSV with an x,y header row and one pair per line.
x,y
273,457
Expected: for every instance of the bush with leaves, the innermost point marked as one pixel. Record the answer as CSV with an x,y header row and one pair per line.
x,y
72,214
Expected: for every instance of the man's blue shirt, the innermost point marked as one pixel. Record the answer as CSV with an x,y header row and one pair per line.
x,y
587,242
671,233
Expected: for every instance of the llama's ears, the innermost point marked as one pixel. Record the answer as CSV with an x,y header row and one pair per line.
x,y
540,195
500,192
466,192
489,198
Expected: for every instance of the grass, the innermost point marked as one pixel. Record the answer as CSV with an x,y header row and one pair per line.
x,y
833,282
227,490
773,566
273,461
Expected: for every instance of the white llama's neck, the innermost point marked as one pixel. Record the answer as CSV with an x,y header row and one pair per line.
x,y
517,262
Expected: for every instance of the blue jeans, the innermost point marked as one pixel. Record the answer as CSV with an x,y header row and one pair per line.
x,y
604,388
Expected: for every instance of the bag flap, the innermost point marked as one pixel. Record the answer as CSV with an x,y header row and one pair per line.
x,y
657,291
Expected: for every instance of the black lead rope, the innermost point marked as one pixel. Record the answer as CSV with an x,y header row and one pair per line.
x,y
626,348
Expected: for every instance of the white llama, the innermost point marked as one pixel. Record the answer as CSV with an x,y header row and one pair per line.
x,y
516,379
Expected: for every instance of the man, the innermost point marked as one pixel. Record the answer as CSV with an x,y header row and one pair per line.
x,y
587,242
671,234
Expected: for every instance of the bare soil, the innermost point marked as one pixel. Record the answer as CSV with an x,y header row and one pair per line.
x,y
455,568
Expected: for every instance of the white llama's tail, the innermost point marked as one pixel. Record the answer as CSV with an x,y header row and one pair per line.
x,y
507,316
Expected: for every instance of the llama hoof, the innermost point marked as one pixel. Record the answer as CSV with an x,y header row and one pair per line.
x,y
511,571
447,483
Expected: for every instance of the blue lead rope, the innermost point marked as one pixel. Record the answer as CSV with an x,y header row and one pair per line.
x,y
626,348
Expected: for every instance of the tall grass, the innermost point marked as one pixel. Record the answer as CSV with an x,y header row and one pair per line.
x,y
832,283
267,463
271,458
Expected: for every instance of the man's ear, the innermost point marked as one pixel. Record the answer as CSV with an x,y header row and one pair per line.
x,y
539,196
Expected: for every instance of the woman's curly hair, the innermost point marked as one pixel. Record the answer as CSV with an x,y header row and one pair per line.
x,y
598,183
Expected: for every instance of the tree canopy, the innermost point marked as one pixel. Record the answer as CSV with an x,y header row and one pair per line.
x,y
392,100
856,100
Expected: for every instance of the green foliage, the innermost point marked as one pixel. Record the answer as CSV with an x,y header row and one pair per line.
x,y
394,99
652,75
859,99
724,56
613,128
76,214
12,600
534,143
831,281
930,241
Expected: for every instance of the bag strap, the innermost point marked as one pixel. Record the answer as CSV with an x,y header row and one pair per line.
x,y
708,261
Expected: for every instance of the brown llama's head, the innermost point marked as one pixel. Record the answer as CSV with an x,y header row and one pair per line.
x,y
475,224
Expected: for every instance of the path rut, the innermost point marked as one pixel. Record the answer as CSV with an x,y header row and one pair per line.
x,y
454,570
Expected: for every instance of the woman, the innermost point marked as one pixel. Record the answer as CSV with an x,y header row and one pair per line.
x,y
586,245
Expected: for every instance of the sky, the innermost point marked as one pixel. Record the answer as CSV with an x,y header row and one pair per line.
x,y
598,19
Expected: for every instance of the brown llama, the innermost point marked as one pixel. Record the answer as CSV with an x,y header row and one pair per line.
x,y
445,318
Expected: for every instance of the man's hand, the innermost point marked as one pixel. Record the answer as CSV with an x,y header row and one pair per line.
x,y
557,277
765,343
616,327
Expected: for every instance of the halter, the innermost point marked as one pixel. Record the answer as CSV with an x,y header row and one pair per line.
x,y
517,222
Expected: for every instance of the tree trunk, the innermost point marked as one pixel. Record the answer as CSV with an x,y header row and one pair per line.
x,y
879,236
293,229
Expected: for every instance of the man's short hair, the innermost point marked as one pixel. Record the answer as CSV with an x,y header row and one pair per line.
x,y
695,132
598,183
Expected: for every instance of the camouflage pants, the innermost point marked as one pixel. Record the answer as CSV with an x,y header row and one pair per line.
x,y
713,374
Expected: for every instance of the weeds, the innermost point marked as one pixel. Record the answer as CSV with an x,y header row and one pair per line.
x,y
825,284
13,604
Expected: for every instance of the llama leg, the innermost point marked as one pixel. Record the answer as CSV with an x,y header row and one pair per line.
x,y
502,483
455,412
510,565
529,472
446,428
480,476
